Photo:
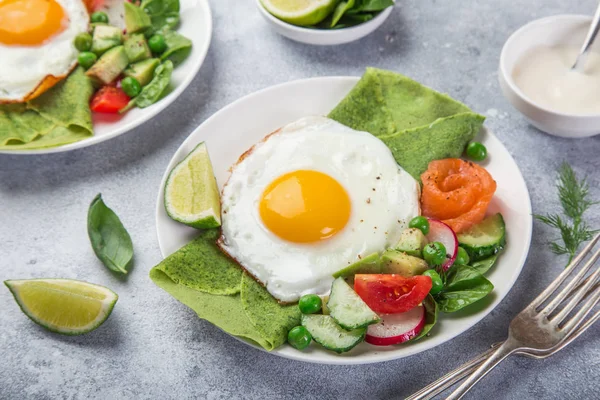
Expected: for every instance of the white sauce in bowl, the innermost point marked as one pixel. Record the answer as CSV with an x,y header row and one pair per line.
x,y
545,77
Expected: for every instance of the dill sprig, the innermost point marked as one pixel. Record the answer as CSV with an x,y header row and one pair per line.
x,y
573,195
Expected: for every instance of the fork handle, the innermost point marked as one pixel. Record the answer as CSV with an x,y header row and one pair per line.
x,y
505,349
448,380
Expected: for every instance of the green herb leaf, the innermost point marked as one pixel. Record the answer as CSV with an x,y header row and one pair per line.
x,y
339,11
431,310
164,14
110,241
573,195
463,286
372,5
483,266
153,91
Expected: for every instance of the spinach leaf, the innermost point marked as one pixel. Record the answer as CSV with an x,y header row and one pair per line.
x,y
431,310
483,266
152,92
110,241
163,13
178,48
464,286
339,11
372,5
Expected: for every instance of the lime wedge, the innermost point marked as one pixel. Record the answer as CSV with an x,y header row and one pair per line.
x,y
191,192
300,12
64,306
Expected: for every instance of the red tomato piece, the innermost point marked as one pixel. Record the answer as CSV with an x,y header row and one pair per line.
x,y
391,293
109,99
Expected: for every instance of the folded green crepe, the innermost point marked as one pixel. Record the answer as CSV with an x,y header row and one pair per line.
x,y
60,116
217,289
417,123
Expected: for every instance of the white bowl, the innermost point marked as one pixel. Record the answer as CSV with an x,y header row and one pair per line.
x,y
323,37
551,31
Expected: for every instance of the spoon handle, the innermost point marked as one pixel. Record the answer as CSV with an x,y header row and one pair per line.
x,y
589,40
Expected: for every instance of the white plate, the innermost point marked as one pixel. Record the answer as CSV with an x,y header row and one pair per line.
x,y
196,24
243,123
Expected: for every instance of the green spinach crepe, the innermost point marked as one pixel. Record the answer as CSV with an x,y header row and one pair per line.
x,y
60,116
418,124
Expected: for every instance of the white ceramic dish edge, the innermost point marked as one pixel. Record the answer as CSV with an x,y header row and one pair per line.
x,y
323,37
559,29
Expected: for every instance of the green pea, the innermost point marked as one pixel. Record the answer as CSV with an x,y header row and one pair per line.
x,y
436,281
157,43
99,16
86,59
421,223
310,304
131,86
462,257
476,151
83,42
434,253
299,337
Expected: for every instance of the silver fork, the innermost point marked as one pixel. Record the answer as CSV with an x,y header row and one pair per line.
x,y
452,377
541,327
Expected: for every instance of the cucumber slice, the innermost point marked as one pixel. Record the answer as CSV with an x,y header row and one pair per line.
x,y
330,335
484,239
347,308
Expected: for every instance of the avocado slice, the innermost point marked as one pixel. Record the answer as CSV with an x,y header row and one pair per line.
x,y
137,48
397,262
106,37
108,67
412,242
142,71
367,265
136,19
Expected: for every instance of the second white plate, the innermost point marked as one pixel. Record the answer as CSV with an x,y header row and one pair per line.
x,y
235,128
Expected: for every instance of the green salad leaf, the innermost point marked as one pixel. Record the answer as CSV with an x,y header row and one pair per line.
x,y
483,266
153,91
431,309
463,286
371,5
178,48
109,238
339,11
164,14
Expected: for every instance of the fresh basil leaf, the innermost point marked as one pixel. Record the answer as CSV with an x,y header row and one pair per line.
x,y
339,11
464,286
372,5
483,266
163,13
110,241
431,310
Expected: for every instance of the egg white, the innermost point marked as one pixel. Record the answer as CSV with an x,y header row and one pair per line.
x,y
23,68
383,196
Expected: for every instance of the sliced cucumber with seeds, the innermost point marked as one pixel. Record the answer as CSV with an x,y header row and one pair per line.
x,y
330,335
347,308
484,239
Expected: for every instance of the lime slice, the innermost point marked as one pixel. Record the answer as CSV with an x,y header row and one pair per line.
x,y
191,193
300,12
64,306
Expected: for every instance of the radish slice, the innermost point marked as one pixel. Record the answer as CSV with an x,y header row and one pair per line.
x,y
396,328
440,232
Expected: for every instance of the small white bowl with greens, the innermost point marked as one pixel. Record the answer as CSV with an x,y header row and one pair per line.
x,y
325,22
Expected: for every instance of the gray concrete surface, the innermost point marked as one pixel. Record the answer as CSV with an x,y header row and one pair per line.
x,y
152,346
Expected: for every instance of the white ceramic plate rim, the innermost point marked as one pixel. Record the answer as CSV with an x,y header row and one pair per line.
x,y
145,114
323,357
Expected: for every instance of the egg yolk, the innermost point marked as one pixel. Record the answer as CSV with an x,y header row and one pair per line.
x,y
305,206
30,22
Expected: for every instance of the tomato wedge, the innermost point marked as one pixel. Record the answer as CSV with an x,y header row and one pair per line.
x,y
109,99
391,293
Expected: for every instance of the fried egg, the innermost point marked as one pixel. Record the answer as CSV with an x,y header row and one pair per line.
x,y
310,199
36,45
